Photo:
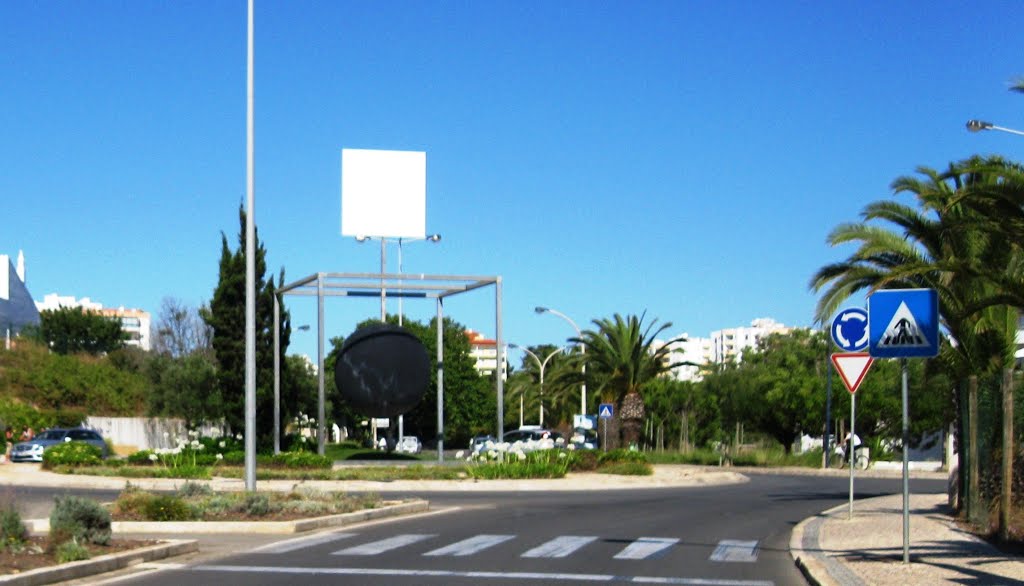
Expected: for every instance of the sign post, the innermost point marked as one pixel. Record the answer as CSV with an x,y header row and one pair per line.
x,y
852,366
605,412
849,333
904,324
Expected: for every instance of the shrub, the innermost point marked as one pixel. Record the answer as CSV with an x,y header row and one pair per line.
x,y
79,518
71,551
142,458
256,505
627,468
161,507
12,530
234,458
72,454
194,489
301,460
621,456
583,460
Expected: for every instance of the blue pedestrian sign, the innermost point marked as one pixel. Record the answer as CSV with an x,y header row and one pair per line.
x,y
904,323
850,329
605,411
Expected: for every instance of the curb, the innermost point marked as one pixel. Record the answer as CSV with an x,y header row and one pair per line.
x,y
102,564
260,527
818,568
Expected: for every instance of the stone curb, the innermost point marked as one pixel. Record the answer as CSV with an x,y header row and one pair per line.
x,y
102,564
260,527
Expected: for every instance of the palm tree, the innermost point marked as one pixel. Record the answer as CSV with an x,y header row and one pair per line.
x,y
621,356
949,244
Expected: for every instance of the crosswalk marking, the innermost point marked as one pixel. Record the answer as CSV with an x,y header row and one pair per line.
x,y
301,543
377,547
471,545
646,547
731,550
559,547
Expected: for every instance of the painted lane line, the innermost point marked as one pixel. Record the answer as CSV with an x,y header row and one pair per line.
x,y
378,547
559,547
646,547
538,576
731,550
471,546
290,545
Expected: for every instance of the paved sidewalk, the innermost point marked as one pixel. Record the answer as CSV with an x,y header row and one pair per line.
x,y
868,549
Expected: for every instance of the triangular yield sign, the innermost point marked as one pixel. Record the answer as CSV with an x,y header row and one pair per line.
x,y
852,366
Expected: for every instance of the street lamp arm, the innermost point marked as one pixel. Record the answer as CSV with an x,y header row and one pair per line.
x,y
979,125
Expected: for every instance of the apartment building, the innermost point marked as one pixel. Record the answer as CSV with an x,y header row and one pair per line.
x,y
729,344
134,322
484,352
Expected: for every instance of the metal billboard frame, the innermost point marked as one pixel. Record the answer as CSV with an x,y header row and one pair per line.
x,y
437,287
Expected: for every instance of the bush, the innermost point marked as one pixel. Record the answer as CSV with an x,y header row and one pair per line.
x,y
583,461
627,468
256,505
161,507
80,519
142,458
304,460
12,530
621,456
72,454
71,551
234,458
194,489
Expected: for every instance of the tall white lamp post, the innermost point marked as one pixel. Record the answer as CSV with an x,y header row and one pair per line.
x,y
583,351
541,365
979,125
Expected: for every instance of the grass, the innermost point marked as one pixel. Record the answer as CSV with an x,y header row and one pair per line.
x,y
759,457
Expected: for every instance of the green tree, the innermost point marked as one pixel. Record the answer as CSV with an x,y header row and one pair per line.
x,y
621,356
226,317
71,330
185,387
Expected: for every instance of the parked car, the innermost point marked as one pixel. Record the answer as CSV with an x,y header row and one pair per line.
x,y
479,442
32,450
409,444
530,434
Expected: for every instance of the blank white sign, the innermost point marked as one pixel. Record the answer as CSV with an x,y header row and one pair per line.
x,y
383,193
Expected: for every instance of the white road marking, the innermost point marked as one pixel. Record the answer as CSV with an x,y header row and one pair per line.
x,y
471,545
300,543
559,547
646,547
539,576
731,550
378,547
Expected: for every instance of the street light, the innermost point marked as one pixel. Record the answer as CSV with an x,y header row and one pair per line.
x,y
979,125
583,351
542,365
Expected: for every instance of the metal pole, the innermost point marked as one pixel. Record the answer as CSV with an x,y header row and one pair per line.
x,y
828,414
383,295
500,347
541,397
250,269
321,415
851,447
401,417
277,375
906,465
440,381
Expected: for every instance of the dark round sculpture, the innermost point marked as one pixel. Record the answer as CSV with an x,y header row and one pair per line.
x,y
382,371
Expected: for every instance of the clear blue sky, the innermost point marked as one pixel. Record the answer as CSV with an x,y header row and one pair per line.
x,y
686,159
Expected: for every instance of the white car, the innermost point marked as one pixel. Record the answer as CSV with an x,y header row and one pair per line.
x,y
409,444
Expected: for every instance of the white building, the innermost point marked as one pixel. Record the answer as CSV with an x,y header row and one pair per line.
x,y
17,309
729,344
484,352
698,352
135,322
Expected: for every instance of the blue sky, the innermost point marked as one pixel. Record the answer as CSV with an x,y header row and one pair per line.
x,y
686,159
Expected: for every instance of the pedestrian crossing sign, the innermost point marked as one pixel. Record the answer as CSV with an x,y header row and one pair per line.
x,y
605,411
903,323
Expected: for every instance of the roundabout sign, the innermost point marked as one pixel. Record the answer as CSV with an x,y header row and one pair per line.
x,y
850,330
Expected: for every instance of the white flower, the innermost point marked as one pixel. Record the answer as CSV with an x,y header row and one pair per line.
x,y
153,457
223,444
303,438
220,456
458,455
193,433
167,434
194,444
561,454
238,437
520,456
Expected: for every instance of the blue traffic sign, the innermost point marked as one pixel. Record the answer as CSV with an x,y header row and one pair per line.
x,y
605,411
904,323
850,329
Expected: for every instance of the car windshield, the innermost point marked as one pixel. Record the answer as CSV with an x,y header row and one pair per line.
x,y
50,435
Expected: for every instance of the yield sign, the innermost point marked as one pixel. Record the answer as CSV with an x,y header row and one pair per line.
x,y
852,366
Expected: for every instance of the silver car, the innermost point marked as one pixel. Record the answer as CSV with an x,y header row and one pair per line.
x,y
32,450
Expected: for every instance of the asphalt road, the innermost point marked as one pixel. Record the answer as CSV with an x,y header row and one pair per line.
x,y
734,535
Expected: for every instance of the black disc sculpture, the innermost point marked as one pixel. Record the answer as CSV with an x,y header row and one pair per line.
x,y
382,371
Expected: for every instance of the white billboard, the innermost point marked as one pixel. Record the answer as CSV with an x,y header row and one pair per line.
x,y
383,193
